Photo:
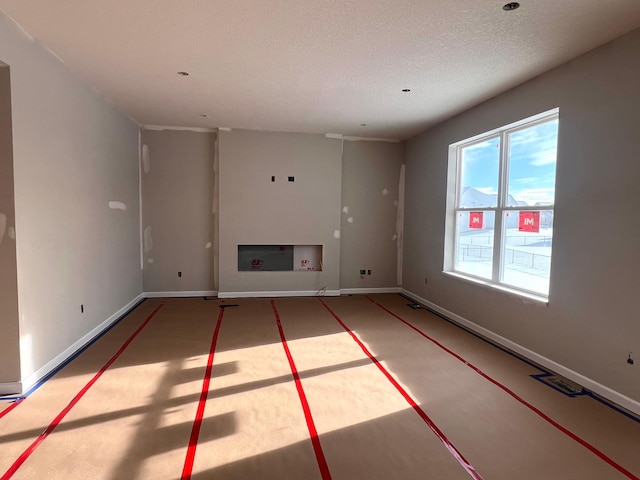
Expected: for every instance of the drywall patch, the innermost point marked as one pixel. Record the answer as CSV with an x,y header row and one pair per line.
x,y
395,203
146,160
208,245
350,219
345,209
385,192
115,205
3,226
148,241
394,238
150,260
11,231
336,234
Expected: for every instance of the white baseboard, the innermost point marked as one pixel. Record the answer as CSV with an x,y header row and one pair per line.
x,y
201,293
10,388
50,366
597,388
364,291
281,293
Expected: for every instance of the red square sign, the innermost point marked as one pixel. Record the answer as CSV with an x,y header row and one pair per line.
x,y
529,222
476,220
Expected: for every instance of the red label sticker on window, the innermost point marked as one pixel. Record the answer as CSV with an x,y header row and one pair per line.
x,y
529,222
476,220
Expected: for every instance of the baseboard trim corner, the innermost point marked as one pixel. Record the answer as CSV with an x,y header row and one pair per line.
x,y
10,388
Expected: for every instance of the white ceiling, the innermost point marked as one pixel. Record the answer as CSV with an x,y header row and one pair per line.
x,y
323,66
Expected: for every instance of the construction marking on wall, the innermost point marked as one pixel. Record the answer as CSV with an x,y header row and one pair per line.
x,y
146,161
148,241
3,226
115,205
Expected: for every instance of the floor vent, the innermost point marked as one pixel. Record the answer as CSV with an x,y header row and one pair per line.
x,y
415,306
560,384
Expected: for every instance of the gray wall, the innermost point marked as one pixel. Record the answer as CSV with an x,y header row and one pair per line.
x,y
369,170
73,154
254,210
9,331
177,211
591,321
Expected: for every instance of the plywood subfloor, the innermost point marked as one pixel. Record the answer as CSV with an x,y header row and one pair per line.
x,y
438,404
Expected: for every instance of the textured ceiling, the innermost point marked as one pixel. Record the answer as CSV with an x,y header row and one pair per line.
x,y
324,66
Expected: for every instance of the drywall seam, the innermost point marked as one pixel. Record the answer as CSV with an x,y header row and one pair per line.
x,y
169,127
43,371
281,293
140,199
602,390
399,236
363,291
194,293
3,226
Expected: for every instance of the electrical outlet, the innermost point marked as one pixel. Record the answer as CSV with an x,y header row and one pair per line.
x,y
179,274
630,359
368,272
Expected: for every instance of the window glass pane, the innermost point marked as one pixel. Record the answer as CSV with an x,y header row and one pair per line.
x,y
474,252
532,165
479,174
527,249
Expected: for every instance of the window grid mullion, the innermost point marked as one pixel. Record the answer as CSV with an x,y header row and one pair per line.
x,y
498,235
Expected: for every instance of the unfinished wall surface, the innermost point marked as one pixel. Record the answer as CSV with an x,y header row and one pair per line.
x,y
177,211
9,331
370,174
591,321
73,155
255,210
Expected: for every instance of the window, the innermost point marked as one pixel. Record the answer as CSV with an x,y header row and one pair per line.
x,y
500,228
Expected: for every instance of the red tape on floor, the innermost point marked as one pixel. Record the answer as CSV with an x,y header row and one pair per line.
x,y
313,433
543,415
434,428
11,407
195,431
56,421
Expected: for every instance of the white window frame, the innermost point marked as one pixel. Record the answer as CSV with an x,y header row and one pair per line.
x,y
454,196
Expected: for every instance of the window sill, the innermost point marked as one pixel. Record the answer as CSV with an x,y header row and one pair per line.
x,y
525,296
